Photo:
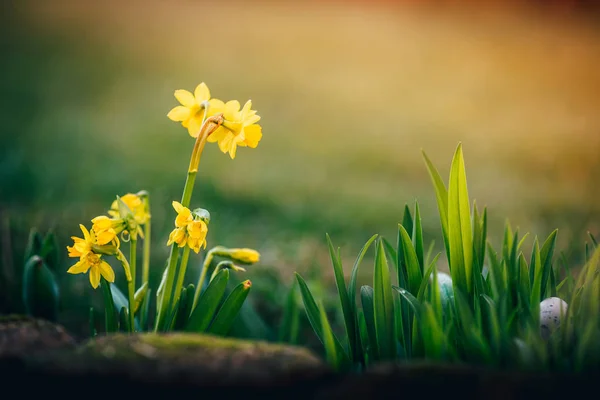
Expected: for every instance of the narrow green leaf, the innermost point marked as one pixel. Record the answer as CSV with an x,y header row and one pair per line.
x,y
230,309
314,315
110,318
347,309
364,337
139,296
124,320
331,353
411,262
412,300
425,280
389,248
366,295
208,303
536,289
120,301
34,245
459,224
92,321
417,237
594,241
383,305
183,306
441,195
407,219
546,254
354,275
288,329
49,251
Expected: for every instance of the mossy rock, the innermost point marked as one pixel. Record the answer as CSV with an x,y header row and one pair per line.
x,y
180,362
22,336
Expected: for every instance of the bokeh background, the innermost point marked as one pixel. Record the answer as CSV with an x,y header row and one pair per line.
x,y
349,94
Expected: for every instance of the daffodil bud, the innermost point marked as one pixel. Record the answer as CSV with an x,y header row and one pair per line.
x,y
200,214
241,255
40,290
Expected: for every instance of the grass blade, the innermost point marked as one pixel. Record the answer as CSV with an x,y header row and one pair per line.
x,y
441,195
331,350
459,225
366,296
347,309
411,262
383,305
417,237
314,315
546,254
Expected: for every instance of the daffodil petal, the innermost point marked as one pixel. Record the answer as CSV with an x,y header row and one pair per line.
x,y
81,267
185,98
177,206
194,124
179,114
86,233
95,276
217,135
215,106
106,271
202,93
253,134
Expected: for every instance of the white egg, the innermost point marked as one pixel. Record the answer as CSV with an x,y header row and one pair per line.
x,y
552,311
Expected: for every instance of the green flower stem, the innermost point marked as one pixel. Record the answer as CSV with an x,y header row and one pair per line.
x,y
146,251
133,258
209,126
182,267
131,291
205,265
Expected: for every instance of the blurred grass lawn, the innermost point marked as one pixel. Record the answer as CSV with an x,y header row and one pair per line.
x,y
348,96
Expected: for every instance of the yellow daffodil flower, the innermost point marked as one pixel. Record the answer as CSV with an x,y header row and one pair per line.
x,y
197,231
184,215
93,262
191,112
188,231
135,204
107,229
82,247
88,259
239,128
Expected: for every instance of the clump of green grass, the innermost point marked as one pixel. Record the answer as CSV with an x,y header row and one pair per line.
x,y
487,313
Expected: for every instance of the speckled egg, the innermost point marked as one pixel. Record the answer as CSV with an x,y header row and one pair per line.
x,y
552,311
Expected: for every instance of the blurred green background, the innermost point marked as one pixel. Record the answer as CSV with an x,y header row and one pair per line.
x,y
348,93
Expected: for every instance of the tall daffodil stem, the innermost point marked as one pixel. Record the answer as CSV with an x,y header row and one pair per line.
x,y
205,265
146,250
133,259
164,304
130,287
181,274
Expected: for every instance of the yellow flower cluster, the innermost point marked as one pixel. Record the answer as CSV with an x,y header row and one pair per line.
x,y
189,229
89,259
239,127
132,213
